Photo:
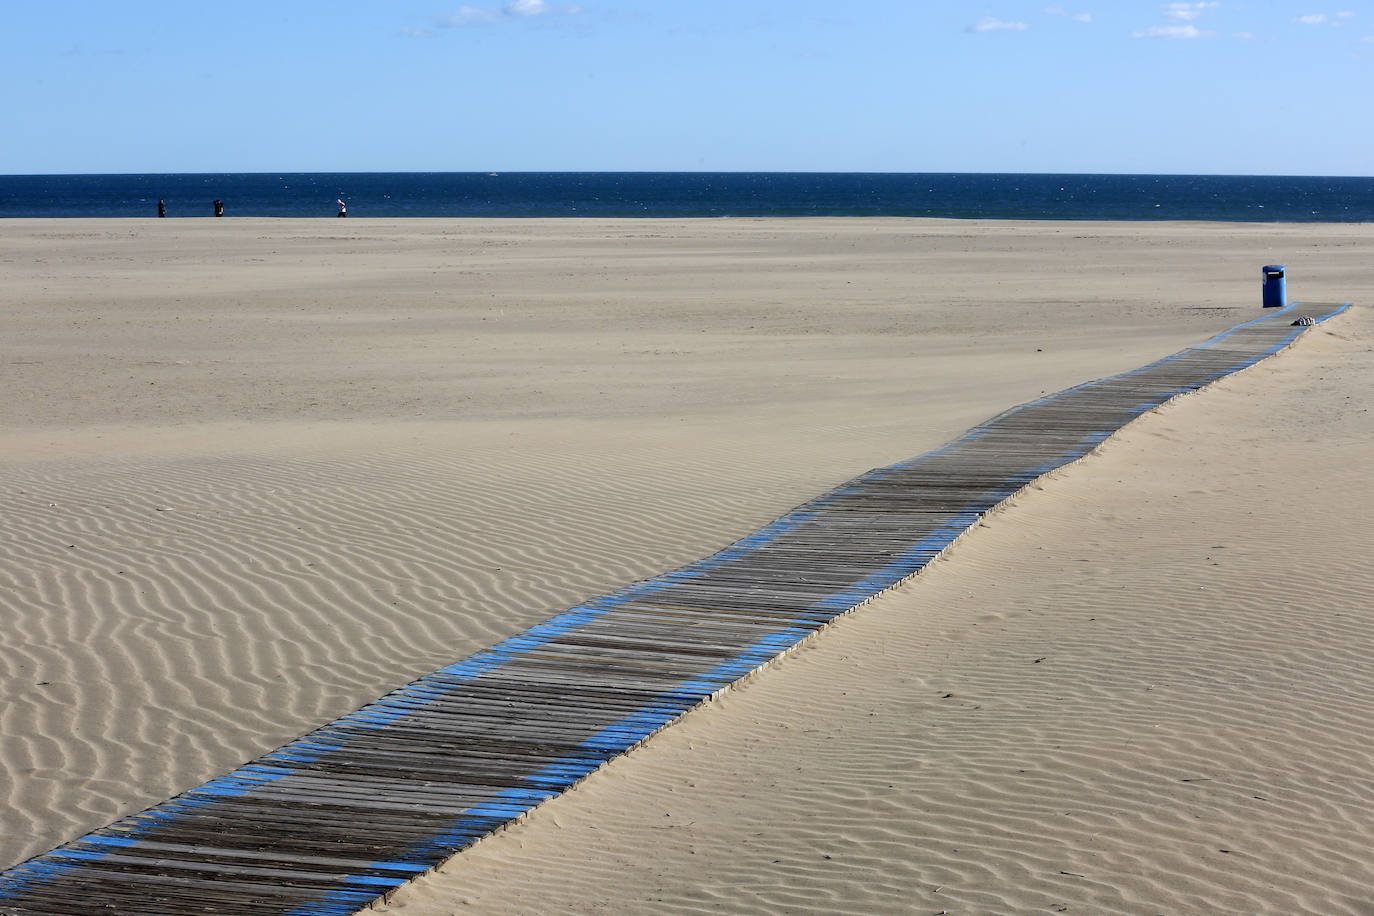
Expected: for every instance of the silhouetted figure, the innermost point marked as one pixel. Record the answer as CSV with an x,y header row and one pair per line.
x,y
162,209
219,208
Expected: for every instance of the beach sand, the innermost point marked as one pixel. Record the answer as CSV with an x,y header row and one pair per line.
x,y
1142,687
260,472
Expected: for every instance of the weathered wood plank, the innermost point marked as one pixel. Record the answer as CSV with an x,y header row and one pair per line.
x,y
339,816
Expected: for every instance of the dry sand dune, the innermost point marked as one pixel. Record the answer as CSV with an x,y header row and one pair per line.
x,y
257,473
1141,687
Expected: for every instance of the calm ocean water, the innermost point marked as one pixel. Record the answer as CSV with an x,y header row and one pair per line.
x,y
697,194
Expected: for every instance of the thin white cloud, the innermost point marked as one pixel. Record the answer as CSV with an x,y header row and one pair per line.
x,y
1076,17
527,8
1187,12
1339,20
1182,32
468,15
989,24
490,15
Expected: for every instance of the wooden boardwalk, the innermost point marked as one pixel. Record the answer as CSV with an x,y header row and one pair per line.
x,y
338,817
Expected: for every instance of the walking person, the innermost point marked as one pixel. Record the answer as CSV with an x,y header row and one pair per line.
x,y
162,209
343,208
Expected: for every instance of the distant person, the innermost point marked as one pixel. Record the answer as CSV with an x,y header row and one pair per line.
x,y
219,208
162,209
343,208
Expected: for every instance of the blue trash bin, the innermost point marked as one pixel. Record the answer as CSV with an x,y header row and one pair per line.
x,y
1275,293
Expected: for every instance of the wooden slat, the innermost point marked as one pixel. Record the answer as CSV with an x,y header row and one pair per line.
x,y
334,819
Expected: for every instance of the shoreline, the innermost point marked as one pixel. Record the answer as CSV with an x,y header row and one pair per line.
x,y
689,220
916,221
679,195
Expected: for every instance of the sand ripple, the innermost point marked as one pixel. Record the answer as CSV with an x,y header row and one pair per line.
x,y
170,618
1142,687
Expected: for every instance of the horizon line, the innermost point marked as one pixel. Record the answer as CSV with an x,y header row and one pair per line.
x,y
499,172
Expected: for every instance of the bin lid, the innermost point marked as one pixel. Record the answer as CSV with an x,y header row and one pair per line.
x,y
1273,268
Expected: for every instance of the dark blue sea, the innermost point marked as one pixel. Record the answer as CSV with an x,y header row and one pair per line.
x,y
1232,198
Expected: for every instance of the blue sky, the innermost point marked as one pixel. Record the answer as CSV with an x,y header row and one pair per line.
x,y
1257,87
